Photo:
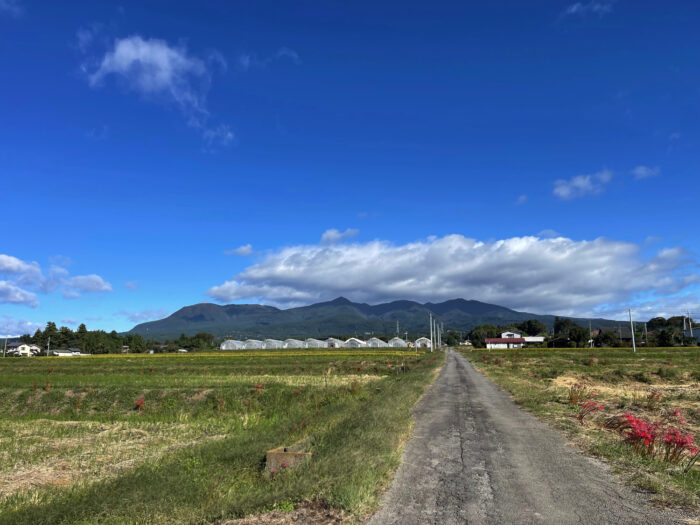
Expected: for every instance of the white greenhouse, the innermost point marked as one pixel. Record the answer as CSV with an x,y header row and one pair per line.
x,y
315,343
332,342
253,344
375,342
232,344
397,342
423,342
293,343
272,344
354,342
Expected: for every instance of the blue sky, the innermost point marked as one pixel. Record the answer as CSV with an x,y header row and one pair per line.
x,y
539,155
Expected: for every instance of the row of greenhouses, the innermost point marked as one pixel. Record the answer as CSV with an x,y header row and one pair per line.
x,y
331,342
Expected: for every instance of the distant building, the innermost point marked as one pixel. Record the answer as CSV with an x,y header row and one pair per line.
x,y
315,343
504,342
293,343
67,352
272,344
253,344
232,344
20,349
423,342
510,335
181,351
354,342
332,342
375,342
534,339
397,342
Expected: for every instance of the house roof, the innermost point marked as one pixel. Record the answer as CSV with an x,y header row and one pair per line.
x,y
505,340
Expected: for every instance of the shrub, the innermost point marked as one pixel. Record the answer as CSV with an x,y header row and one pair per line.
x,y
641,377
667,373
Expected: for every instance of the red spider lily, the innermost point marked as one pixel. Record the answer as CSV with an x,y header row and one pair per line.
x,y
285,464
640,434
677,413
588,407
138,404
259,390
675,443
259,386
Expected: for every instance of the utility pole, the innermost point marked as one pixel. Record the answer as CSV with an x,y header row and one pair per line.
x,y
646,335
48,346
431,332
4,349
690,323
590,335
634,345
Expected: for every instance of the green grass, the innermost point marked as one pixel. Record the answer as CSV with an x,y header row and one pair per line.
x,y
539,381
74,450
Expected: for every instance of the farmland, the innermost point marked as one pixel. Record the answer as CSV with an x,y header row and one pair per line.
x,y
585,393
182,438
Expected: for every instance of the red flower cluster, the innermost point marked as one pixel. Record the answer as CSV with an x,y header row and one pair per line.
x,y
677,413
587,407
640,434
675,443
138,404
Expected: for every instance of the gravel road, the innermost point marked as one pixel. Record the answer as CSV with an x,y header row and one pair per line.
x,y
476,457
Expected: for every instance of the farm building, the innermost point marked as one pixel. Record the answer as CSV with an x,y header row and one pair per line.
x,y
66,352
423,342
232,344
354,342
504,342
315,343
397,342
293,343
272,344
510,335
332,342
534,339
253,344
375,342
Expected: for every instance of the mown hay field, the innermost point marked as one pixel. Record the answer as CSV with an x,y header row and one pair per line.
x,y
587,393
182,438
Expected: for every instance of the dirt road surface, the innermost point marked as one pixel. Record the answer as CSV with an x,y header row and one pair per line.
x,y
477,458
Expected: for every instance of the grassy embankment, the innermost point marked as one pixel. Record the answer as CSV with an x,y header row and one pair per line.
x,y
76,448
650,384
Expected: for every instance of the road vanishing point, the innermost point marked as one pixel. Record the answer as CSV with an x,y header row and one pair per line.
x,y
477,458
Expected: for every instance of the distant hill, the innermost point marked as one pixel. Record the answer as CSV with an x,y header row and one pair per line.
x,y
337,317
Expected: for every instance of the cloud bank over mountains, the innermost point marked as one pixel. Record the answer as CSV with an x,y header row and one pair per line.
x,y
548,275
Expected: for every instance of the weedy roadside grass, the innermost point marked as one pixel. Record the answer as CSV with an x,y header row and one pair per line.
x,y
659,385
182,439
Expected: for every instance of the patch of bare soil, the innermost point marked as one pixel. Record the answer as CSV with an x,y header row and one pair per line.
x,y
307,512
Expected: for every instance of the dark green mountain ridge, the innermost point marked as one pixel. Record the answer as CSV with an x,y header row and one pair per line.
x,y
337,317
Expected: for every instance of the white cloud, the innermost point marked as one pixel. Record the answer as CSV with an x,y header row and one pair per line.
x,y
582,185
69,321
86,283
521,200
131,285
594,7
247,61
24,278
332,236
548,233
144,315
246,249
556,275
164,72
13,294
11,7
10,326
644,172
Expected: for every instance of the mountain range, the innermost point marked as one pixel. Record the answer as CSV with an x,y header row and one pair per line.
x,y
339,317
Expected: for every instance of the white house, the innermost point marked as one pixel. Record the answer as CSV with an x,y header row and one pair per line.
x,y
293,343
354,342
375,342
423,342
272,344
315,343
23,349
253,344
510,335
332,342
232,344
397,342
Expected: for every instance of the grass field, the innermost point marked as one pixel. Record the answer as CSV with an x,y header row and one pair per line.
x,y
182,438
651,384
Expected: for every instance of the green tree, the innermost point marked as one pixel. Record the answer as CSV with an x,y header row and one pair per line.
x,y
579,335
533,327
562,325
664,338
